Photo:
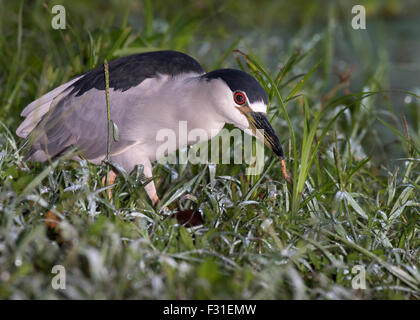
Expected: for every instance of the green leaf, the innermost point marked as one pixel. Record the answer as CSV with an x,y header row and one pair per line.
x,y
186,238
209,271
301,83
354,205
115,131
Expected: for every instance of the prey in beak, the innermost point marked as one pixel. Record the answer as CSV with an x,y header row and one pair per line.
x,y
262,129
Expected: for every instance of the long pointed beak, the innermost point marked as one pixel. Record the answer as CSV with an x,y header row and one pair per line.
x,y
263,130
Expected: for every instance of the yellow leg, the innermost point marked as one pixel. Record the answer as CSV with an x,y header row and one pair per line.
x,y
150,187
155,199
109,179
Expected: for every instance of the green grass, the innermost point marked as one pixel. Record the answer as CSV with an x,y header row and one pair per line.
x,y
355,200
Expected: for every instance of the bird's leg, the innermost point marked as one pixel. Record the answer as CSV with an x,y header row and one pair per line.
x,y
188,218
151,192
108,180
150,187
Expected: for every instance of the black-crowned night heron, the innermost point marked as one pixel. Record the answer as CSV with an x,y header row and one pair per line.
x,y
148,92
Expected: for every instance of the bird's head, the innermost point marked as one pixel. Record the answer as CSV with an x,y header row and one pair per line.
x,y
242,101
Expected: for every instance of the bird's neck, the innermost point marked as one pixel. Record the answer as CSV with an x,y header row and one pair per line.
x,y
196,106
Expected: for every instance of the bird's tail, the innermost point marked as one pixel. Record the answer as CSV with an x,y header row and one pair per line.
x,y
34,111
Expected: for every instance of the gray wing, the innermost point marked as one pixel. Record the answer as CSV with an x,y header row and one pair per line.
x,y
77,115
38,108
81,121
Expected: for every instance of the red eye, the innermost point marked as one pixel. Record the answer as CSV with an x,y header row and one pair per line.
x,y
239,97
